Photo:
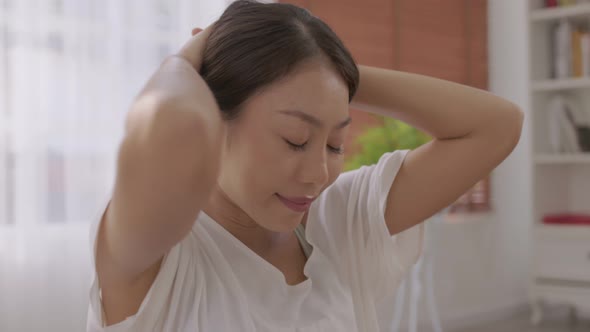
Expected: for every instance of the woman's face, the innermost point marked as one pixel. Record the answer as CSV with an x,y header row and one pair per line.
x,y
286,145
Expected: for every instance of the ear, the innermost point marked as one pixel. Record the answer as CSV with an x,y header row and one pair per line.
x,y
196,30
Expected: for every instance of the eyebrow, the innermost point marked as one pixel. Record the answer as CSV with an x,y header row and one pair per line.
x,y
313,120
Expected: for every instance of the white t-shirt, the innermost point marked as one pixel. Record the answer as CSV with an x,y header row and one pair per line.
x,y
211,281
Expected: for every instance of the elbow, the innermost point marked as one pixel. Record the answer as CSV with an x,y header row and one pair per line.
x,y
514,123
508,128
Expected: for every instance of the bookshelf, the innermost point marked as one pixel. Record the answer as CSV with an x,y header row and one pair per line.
x,y
564,84
560,269
539,14
565,159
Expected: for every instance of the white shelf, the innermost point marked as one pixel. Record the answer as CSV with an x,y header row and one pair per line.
x,y
555,13
561,84
547,159
546,231
560,181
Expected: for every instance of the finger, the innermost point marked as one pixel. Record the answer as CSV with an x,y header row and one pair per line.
x,y
195,31
193,48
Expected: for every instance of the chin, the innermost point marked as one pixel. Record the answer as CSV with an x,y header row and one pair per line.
x,y
284,221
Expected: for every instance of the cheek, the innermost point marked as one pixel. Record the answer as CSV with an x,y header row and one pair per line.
x,y
335,169
263,161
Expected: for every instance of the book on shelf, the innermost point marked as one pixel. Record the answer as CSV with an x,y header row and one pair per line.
x,y
571,50
585,54
562,136
562,50
563,3
551,3
577,70
568,126
567,219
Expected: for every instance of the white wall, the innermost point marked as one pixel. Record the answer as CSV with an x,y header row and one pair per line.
x,y
509,78
481,265
496,249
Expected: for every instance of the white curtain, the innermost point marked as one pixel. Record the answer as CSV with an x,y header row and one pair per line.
x,y
68,71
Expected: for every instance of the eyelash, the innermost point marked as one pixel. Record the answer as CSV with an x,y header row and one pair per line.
x,y
297,147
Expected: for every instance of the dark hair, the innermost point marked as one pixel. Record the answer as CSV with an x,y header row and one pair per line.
x,y
254,44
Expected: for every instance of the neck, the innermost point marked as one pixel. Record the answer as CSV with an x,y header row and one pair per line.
x,y
235,220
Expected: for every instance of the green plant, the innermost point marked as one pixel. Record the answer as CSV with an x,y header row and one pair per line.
x,y
375,141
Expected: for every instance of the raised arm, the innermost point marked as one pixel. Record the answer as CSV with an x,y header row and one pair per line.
x,y
167,165
473,132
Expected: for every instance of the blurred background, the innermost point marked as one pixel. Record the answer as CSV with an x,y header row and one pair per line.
x,y
512,254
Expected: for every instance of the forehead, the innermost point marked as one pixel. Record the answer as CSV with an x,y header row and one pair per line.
x,y
314,88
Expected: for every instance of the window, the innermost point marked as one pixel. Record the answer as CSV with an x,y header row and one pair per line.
x,y
65,85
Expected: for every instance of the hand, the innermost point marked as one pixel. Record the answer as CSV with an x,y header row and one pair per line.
x,y
194,48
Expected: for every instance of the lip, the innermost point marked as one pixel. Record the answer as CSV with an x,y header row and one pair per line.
x,y
297,204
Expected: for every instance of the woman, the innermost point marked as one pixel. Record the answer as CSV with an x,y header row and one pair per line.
x,y
229,212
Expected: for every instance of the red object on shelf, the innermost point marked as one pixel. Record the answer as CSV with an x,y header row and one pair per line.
x,y
567,219
550,3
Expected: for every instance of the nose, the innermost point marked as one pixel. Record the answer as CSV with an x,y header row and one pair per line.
x,y
314,169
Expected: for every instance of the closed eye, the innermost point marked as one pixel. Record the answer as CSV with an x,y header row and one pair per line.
x,y
339,150
296,147
301,147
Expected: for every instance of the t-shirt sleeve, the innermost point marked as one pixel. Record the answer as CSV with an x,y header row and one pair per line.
x,y
352,211
156,304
